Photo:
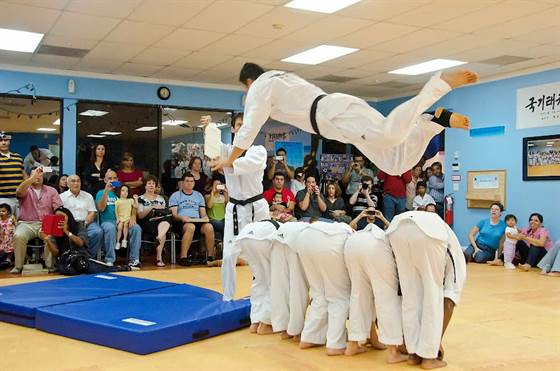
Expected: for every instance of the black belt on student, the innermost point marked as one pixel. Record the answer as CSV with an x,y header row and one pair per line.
x,y
313,113
243,203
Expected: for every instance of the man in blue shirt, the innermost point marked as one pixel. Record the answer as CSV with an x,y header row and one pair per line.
x,y
106,233
189,211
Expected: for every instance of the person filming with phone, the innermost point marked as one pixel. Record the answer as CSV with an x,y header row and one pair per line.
x,y
310,201
280,165
369,216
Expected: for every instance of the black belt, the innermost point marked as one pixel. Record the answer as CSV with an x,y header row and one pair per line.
x,y
273,222
313,113
243,203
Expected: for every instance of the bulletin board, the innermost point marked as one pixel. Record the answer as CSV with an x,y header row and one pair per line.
x,y
485,187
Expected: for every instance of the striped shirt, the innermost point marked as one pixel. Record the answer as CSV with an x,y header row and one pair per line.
x,y
11,174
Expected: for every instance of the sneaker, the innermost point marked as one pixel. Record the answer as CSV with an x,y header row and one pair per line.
x,y
124,243
118,246
509,266
135,265
15,270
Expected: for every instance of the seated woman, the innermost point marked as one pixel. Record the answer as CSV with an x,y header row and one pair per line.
x,y
489,236
550,264
532,243
336,209
69,250
216,200
152,217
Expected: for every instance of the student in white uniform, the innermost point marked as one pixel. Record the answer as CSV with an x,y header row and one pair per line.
x,y
321,251
375,292
246,203
420,241
394,143
254,244
288,286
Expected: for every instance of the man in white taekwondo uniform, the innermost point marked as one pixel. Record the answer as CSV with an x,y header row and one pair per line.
x,y
375,292
394,143
288,286
254,243
244,182
421,241
321,251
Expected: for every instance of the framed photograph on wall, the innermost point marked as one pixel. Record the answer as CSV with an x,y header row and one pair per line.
x,y
541,158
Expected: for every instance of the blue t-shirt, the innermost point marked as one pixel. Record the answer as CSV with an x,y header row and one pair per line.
x,y
490,235
187,205
107,215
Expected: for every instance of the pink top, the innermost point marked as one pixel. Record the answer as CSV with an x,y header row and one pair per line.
x,y
131,177
33,208
7,231
538,235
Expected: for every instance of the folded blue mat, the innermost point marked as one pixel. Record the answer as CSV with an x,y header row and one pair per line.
x,y
18,303
148,321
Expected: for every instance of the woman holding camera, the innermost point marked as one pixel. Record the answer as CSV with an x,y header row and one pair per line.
x,y
153,216
216,202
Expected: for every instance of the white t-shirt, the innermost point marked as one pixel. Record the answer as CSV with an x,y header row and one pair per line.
x,y
513,231
79,205
420,201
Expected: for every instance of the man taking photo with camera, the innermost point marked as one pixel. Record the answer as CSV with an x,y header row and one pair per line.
x,y
363,197
369,216
354,173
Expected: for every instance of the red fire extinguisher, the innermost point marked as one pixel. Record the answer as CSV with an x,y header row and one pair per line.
x,y
448,206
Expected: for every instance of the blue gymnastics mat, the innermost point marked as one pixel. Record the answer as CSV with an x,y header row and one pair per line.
x,y
148,321
19,303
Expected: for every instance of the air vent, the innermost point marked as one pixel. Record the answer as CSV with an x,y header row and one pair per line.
x,y
505,60
335,78
62,51
393,85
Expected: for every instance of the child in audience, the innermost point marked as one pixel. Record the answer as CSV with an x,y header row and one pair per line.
x,y
123,211
510,241
280,211
422,199
7,230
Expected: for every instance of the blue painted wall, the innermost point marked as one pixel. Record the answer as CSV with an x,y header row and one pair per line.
x,y
55,86
492,104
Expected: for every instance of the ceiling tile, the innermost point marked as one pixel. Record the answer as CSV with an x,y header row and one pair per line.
x,y
69,41
329,28
27,18
313,72
233,66
17,58
136,69
353,72
446,48
83,26
50,4
109,8
392,63
374,34
439,11
492,50
380,9
279,22
358,58
97,65
212,76
415,40
279,49
53,61
173,73
139,33
158,56
200,60
115,51
227,15
540,51
235,44
548,35
189,39
169,12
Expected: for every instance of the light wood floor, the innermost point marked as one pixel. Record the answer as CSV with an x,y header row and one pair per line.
x,y
506,321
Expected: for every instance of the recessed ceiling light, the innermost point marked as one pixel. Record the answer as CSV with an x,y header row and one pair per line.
x,y
46,129
111,133
147,128
93,113
429,66
56,122
96,136
174,122
19,41
321,6
319,54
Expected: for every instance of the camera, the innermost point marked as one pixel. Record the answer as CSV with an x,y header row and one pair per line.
x,y
221,188
371,212
365,186
278,158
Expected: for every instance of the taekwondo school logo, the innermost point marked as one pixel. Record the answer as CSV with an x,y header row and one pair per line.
x,y
281,235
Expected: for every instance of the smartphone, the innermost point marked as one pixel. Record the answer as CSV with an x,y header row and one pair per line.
x,y
278,158
47,169
220,187
116,184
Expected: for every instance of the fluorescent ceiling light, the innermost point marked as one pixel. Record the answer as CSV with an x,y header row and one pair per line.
x,y
46,129
321,6
93,113
429,66
169,109
56,122
319,54
174,122
96,136
19,41
147,128
111,133
549,142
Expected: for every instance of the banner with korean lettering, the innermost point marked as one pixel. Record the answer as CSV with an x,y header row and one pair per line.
x,y
538,106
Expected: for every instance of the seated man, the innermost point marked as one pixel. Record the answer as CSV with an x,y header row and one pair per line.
x,y
105,200
278,187
189,211
310,201
36,200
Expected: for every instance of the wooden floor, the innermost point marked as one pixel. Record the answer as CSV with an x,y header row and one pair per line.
x,y
507,320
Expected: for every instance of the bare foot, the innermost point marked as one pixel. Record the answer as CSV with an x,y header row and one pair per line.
x,y
285,336
334,352
253,328
402,349
456,120
296,338
414,359
441,353
353,348
459,78
304,345
429,364
394,356
554,274
524,267
264,329
495,262
544,273
378,345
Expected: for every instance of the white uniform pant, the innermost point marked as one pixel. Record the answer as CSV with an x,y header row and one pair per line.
x,y
322,257
257,253
231,253
421,266
375,286
289,289
394,143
